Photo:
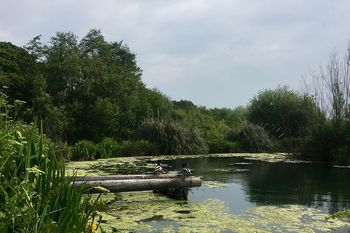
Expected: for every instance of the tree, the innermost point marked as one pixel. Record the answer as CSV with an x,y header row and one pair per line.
x,y
331,88
63,66
17,72
283,113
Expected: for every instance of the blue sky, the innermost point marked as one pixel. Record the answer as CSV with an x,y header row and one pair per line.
x,y
214,53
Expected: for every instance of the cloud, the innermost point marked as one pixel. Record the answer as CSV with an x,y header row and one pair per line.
x,y
216,53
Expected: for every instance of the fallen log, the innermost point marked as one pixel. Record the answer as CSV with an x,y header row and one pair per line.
x,y
127,185
127,177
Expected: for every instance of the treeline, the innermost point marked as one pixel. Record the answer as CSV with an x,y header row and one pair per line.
x,y
90,95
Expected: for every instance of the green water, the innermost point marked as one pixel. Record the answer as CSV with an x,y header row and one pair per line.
x,y
239,194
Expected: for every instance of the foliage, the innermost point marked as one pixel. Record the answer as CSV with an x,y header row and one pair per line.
x,y
288,117
17,72
252,138
341,215
90,89
330,86
282,112
87,89
224,146
341,154
108,148
172,137
138,148
234,118
35,195
213,124
84,150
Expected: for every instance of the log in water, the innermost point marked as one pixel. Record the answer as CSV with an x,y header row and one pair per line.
x,y
126,185
127,177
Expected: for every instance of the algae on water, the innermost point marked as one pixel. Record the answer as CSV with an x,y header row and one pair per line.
x,y
149,212
141,164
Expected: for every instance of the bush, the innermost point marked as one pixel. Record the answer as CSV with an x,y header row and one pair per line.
x,y
138,148
108,148
323,142
172,137
252,138
84,150
341,155
283,113
63,150
223,147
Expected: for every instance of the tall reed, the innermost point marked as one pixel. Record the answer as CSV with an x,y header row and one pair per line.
x,y
35,194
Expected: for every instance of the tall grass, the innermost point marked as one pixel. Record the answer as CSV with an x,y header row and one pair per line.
x,y
173,137
35,195
110,148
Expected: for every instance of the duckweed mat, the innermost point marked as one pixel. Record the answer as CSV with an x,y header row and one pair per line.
x,y
149,212
142,164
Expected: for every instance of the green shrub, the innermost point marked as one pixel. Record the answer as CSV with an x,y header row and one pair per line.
x,y
252,138
137,148
223,147
84,150
63,150
341,155
108,148
172,137
283,112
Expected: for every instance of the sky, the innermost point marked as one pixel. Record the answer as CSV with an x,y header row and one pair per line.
x,y
216,53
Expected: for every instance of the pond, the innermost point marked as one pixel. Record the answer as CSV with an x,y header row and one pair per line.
x,y
240,193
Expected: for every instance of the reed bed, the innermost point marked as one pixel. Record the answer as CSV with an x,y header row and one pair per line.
x,y
35,194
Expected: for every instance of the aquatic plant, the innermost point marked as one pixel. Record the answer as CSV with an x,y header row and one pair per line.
x,y
84,150
35,194
341,215
108,148
149,212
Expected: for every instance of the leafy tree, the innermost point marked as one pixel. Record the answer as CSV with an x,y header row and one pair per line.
x,y
283,113
233,117
17,72
90,89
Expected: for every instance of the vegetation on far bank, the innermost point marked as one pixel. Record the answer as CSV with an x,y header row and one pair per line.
x,y
93,103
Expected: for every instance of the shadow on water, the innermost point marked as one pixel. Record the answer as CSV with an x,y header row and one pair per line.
x,y
246,183
264,183
313,185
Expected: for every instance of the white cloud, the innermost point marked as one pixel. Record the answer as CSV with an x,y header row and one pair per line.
x,y
216,53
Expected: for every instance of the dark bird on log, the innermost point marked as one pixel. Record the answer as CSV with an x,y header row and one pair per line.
x,y
185,170
158,169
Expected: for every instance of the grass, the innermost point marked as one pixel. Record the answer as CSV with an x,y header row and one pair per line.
x,y
35,194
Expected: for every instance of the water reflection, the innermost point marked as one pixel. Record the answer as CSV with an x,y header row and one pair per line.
x,y
251,183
